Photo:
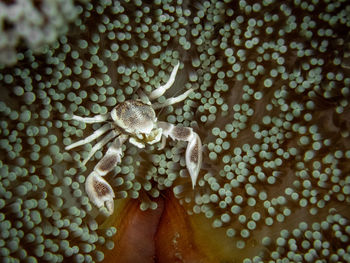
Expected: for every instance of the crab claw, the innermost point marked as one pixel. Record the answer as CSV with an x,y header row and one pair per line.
x,y
100,192
194,147
194,157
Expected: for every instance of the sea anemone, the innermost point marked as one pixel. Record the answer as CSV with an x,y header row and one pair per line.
x,y
271,95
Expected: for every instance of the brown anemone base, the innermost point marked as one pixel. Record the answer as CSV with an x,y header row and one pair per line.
x,y
155,236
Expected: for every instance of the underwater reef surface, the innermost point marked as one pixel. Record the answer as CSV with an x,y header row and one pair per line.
x,y
271,106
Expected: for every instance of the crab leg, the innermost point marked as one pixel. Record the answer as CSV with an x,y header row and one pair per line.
x,y
172,101
160,90
97,188
95,119
193,150
92,137
100,144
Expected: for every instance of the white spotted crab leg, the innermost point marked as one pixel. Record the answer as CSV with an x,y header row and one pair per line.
x,y
193,150
97,188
